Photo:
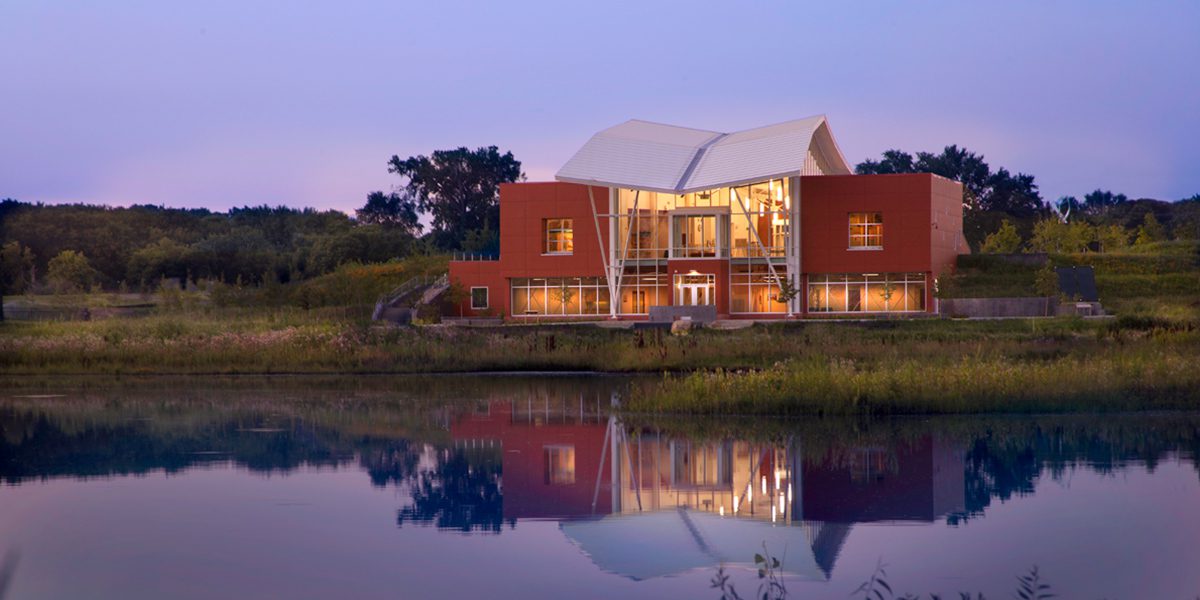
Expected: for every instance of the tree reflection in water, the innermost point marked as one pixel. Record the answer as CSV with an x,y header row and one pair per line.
x,y
408,441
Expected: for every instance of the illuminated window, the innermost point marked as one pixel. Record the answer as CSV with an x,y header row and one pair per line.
x,y
560,465
559,236
479,298
866,292
559,296
866,231
700,236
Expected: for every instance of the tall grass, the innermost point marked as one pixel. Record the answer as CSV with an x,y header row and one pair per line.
x,y
1128,378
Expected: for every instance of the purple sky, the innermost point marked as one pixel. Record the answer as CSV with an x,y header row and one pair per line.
x,y
225,103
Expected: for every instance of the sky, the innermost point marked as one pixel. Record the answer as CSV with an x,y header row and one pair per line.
x,y
226,103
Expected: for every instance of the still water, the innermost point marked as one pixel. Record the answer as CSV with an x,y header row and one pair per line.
x,y
532,488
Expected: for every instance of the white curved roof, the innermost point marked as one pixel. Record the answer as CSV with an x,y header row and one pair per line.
x,y
666,158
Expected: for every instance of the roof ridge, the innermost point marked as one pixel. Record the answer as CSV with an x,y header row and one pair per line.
x,y
700,151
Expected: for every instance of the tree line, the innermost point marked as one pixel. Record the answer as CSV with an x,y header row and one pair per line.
x,y
1005,212
456,194
78,247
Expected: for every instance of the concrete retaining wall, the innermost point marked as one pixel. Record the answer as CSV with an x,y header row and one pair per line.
x,y
998,307
668,314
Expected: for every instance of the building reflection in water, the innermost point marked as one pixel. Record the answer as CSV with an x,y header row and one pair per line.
x,y
643,504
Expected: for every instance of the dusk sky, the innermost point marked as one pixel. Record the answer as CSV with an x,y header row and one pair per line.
x,y
227,103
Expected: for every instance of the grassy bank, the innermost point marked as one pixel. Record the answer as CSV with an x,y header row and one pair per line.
x,y
1143,359
316,341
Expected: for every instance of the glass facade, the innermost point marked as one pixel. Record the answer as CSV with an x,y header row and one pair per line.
x,y
752,288
749,224
557,296
765,219
643,286
866,292
700,236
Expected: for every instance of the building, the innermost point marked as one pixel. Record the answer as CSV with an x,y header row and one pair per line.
x,y
654,221
644,503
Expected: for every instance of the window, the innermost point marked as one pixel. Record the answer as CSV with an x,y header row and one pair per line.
x,y
866,292
560,464
479,298
700,236
559,237
866,231
556,296
753,289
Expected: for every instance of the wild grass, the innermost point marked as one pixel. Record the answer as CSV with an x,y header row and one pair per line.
x,y
824,368
291,340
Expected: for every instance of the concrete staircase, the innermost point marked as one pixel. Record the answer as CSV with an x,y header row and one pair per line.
x,y
401,304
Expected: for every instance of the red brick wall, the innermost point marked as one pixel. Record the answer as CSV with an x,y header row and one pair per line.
x,y
825,206
523,207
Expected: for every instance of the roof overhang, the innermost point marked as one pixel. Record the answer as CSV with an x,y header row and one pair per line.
x,y
676,160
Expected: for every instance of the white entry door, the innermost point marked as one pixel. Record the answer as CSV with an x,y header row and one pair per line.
x,y
695,290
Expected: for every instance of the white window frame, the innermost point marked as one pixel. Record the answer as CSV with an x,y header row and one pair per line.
x,y
865,237
487,296
546,229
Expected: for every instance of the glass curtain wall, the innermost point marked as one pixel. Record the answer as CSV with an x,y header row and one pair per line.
x,y
869,292
752,288
643,235
763,215
645,221
558,296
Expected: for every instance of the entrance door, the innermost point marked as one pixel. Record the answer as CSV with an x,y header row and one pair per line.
x,y
695,290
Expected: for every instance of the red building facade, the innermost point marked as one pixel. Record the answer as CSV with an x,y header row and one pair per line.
x,y
650,221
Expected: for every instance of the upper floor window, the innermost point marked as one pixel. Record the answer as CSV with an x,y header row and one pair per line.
x,y
559,236
700,236
866,231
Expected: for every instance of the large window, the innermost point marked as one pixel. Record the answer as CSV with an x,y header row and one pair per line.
x,y
752,288
559,236
696,466
559,296
761,214
868,292
643,286
866,231
699,236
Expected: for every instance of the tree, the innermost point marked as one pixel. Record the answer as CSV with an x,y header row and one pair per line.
x,y
1013,194
1112,238
1150,231
1005,240
1049,235
1099,201
16,267
961,165
988,197
1080,235
394,211
893,161
459,188
15,262
70,271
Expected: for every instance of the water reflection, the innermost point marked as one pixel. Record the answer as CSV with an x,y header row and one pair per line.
x,y
641,498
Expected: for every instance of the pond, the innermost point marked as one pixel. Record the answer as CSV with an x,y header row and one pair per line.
x,y
532,487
